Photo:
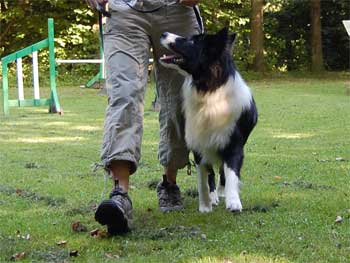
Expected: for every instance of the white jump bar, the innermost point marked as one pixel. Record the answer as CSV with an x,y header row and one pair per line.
x,y
92,61
76,61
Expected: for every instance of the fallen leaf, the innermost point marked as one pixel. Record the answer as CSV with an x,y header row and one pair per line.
x,y
62,243
94,232
31,166
98,233
78,227
111,256
93,206
323,160
338,220
73,253
227,260
277,177
102,233
17,256
26,237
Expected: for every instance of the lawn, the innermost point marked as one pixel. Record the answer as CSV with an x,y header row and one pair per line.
x,y
295,191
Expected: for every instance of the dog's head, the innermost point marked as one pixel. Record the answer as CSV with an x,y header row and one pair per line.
x,y
198,53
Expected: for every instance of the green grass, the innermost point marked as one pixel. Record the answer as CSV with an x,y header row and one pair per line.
x,y
293,189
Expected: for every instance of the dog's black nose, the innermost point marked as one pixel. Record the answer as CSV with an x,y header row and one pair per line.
x,y
164,35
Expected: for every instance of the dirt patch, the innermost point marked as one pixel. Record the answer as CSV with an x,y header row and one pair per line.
x,y
304,185
171,232
32,196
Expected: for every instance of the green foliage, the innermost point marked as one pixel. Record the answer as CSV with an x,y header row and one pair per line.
x,y
24,22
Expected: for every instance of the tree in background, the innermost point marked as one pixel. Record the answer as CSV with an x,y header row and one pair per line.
x,y
257,35
316,37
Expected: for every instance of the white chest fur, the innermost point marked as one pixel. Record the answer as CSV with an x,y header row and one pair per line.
x,y
211,117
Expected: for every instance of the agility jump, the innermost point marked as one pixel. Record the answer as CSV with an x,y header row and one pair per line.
x,y
52,101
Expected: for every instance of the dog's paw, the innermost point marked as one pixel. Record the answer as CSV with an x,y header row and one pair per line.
x,y
221,191
205,208
234,205
214,198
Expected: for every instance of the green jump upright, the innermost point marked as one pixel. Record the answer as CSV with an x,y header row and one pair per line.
x,y
53,101
100,76
55,106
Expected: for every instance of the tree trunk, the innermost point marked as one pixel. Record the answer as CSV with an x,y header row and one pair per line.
x,y
316,38
257,35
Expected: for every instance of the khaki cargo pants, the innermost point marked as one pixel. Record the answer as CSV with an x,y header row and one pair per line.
x,y
128,37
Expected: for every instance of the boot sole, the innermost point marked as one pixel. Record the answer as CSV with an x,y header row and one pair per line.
x,y
108,213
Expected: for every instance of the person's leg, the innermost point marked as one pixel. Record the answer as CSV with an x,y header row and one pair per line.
x,y
173,152
120,171
126,55
170,174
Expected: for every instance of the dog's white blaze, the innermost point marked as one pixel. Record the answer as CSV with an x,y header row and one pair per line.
x,y
210,117
233,203
170,38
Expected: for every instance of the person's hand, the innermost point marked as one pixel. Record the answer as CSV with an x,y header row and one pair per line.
x,y
189,2
93,3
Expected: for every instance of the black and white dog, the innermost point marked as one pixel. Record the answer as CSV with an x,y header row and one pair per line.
x,y
219,109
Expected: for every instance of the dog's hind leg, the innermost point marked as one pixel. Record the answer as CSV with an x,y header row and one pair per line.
x,y
203,186
213,196
221,187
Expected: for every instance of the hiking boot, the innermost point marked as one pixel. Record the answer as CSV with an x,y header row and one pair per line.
x,y
169,197
115,212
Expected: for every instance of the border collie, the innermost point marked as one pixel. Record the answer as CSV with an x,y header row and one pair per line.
x,y
219,110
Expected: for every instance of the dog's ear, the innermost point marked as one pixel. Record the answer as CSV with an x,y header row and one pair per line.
x,y
225,39
216,44
231,38
230,41
223,34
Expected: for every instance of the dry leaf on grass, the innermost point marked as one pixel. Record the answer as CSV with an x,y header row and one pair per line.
x,y
73,253
62,243
78,227
338,220
18,256
98,233
112,256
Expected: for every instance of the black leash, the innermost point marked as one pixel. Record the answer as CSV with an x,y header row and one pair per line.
x,y
199,19
101,12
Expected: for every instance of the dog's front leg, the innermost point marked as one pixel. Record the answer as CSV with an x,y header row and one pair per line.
x,y
203,189
233,202
205,205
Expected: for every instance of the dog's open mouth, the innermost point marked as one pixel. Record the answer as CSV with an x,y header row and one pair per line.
x,y
172,59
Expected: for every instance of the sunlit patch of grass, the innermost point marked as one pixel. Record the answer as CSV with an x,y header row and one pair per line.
x,y
44,139
292,135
